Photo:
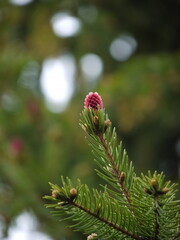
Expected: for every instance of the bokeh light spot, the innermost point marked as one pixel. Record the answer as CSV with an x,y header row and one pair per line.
x,y
25,228
57,82
123,47
20,2
91,66
64,25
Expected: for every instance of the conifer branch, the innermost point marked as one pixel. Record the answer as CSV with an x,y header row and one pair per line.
x,y
114,226
157,223
115,170
145,208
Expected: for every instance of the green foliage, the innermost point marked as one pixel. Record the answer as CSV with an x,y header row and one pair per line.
x,y
129,207
142,95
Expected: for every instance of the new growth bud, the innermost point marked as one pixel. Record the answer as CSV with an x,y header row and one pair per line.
x,y
122,177
92,236
59,195
107,124
165,190
155,189
154,183
73,193
56,194
96,121
93,100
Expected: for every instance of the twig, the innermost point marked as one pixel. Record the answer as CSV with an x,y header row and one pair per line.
x,y
114,226
116,170
156,212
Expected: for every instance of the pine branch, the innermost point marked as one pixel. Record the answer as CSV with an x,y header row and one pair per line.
x,y
80,198
97,205
165,209
119,175
130,207
114,226
97,125
157,218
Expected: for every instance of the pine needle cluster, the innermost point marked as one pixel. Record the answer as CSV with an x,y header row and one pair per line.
x,y
128,206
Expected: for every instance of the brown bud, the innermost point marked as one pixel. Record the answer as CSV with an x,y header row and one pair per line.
x,y
165,190
154,183
122,177
56,194
96,121
73,193
107,124
92,236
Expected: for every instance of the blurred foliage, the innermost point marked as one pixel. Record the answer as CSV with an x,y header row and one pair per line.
x,y
146,92
142,95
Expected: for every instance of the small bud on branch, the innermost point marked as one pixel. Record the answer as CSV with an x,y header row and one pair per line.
x,y
107,124
92,236
96,121
154,183
165,190
56,194
122,177
73,193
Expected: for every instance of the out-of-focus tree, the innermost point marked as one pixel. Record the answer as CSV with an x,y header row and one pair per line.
x,y
137,43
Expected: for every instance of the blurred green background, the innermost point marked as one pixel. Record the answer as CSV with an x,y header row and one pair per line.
x,y
53,53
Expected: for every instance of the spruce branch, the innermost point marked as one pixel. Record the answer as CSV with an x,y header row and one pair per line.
x,y
114,226
73,199
157,218
130,207
97,125
119,175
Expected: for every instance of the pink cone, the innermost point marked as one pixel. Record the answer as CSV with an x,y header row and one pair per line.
x,y
93,100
